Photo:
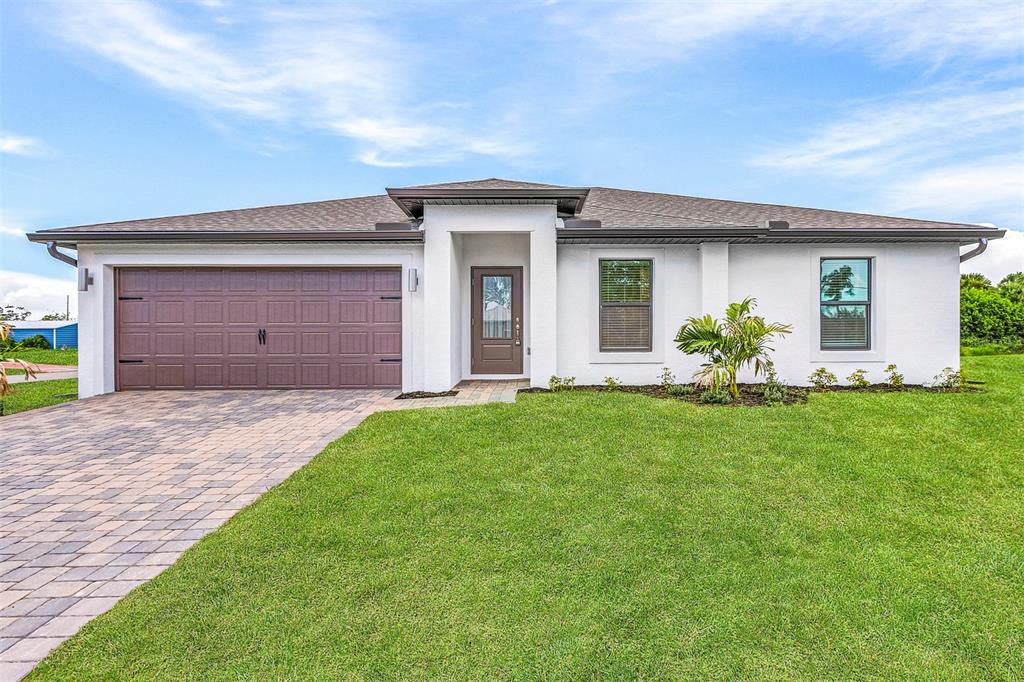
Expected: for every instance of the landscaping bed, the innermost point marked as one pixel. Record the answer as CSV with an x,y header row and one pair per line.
x,y
414,395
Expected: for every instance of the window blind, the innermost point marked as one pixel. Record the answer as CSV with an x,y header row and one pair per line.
x,y
625,308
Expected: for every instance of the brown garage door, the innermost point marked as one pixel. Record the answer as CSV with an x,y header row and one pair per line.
x,y
258,328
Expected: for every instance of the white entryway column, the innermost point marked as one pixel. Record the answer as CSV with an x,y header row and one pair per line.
x,y
714,278
439,276
543,305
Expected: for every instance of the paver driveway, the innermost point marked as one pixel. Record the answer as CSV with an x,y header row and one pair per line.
x,y
99,495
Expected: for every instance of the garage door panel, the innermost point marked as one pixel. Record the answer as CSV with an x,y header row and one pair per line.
x,y
387,374
208,280
170,280
281,342
134,343
387,311
282,312
241,280
209,376
208,312
169,343
208,343
387,343
353,311
169,376
198,327
353,376
243,312
315,312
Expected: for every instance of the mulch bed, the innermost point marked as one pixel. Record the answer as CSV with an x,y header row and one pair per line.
x,y
750,394
413,395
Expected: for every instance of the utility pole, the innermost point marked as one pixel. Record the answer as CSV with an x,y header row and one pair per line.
x,y
67,307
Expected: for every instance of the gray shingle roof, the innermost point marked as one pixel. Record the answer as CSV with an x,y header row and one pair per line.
x,y
615,208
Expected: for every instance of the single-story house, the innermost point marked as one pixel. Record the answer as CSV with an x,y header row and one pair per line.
x,y
425,286
59,333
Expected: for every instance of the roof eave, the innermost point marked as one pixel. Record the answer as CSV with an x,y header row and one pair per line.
x,y
750,234
73,237
410,200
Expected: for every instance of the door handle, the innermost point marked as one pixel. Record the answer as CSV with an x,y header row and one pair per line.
x,y
261,337
519,340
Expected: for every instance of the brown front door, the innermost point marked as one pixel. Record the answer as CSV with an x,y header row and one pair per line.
x,y
201,328
496,321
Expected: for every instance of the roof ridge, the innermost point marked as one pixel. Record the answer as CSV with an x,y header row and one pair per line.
x,y
789,206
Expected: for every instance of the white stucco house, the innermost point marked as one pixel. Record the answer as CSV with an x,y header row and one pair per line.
x,y
425,286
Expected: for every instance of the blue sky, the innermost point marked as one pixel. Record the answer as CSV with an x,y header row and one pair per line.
x,y
119,110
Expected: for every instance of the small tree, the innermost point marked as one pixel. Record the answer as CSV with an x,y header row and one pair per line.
x,y
55,317
739,340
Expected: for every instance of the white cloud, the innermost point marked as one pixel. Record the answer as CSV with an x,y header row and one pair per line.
x,y
991,185
911,129
36,293
637,35
336,68
1002,257
20,145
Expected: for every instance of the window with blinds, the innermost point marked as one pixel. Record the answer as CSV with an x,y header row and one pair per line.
x,y
845,303
625,314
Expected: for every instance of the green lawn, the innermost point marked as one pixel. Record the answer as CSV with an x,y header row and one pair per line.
x,y
584,535
47,356
28,395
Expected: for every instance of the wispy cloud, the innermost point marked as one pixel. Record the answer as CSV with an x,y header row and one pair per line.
x,y
637,35
21,145
911,129
335,68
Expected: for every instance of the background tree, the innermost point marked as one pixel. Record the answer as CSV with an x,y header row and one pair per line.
x,y
55,317
10,312
1012,287
974,280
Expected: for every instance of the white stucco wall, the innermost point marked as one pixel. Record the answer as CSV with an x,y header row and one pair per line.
x,y
96,306
458,237
915,312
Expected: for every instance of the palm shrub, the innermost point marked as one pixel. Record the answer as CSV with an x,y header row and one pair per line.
x,y
739,340
6,347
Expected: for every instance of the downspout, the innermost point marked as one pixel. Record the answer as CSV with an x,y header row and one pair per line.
x,y
51,248
976,251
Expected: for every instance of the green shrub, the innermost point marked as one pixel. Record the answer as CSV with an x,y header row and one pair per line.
x,y
668,379
821,378
895,379
612,383
858,378
1012,287
36,341
557,383
775,391
680,389
949,379
987,315
716,396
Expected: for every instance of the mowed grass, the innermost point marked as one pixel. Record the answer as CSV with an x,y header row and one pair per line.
x,y
28,395
47,356
615,536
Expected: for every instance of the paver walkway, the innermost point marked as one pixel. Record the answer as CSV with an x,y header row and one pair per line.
x,y
99,495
